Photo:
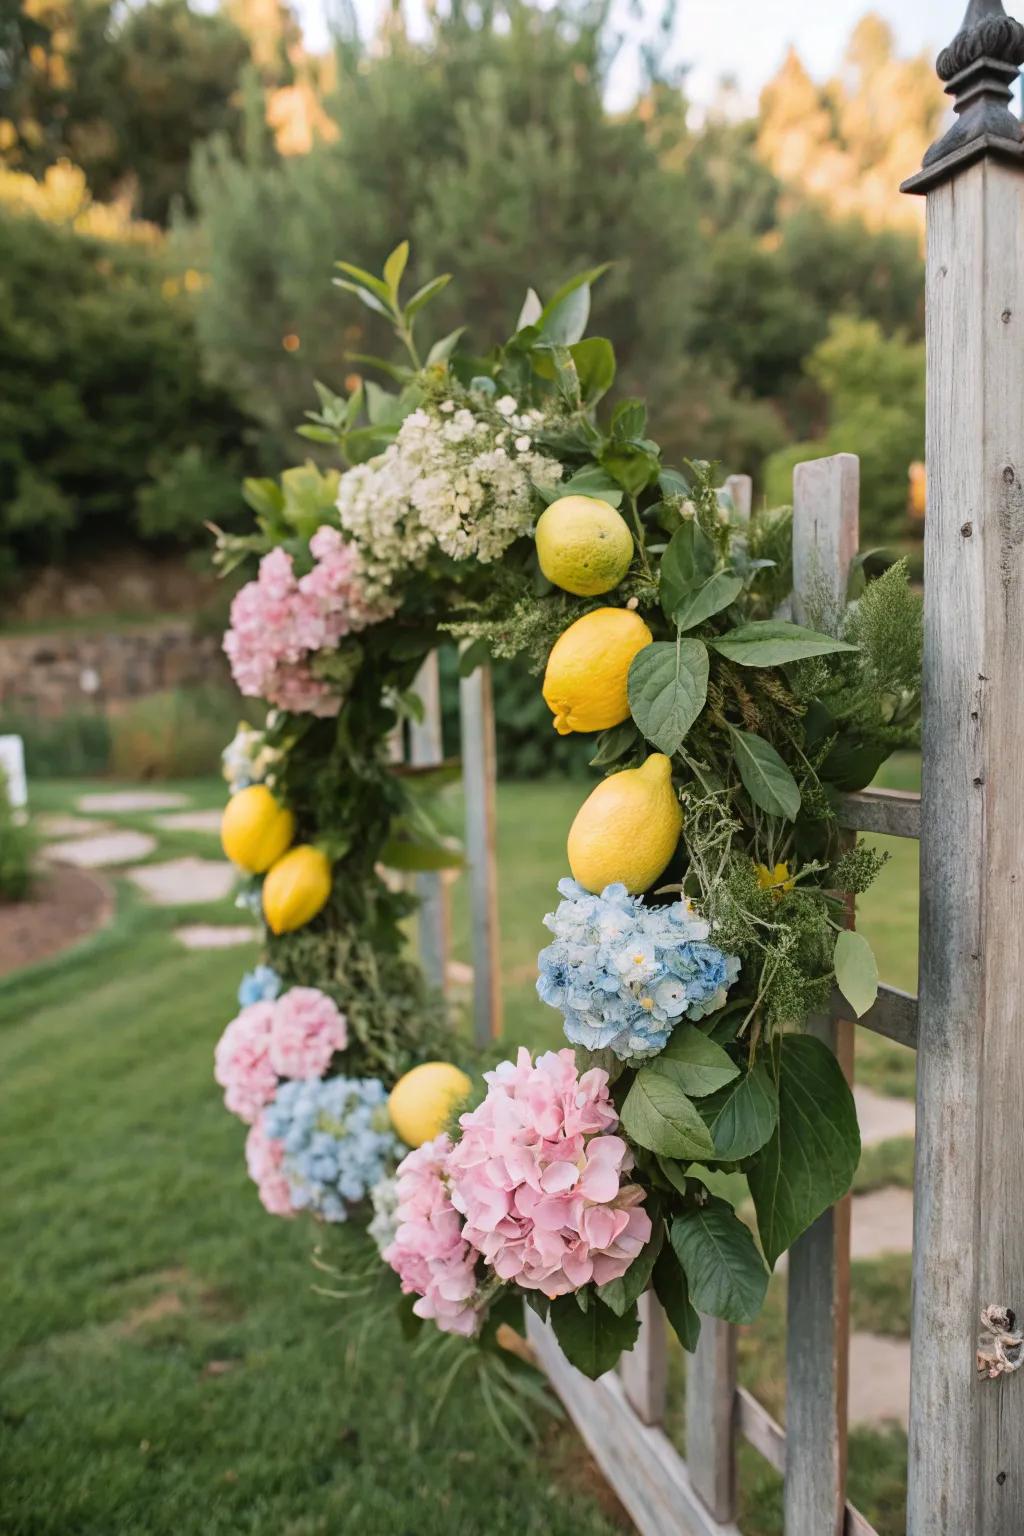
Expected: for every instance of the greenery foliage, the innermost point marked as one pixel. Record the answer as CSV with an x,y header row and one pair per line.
x,y
17,851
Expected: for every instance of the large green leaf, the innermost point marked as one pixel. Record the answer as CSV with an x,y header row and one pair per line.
x,y
672,1291
563,319
697,1064
595,365
658,1115
668,687
688,562
773,642
620,1294
717,593
765,776
725,1272
593,1340
810,1161
742,1116
856,971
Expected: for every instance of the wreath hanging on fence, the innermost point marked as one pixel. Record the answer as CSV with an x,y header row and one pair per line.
x,y
705,919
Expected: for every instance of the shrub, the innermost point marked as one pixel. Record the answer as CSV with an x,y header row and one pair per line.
x,y
177,734
75,746
17,851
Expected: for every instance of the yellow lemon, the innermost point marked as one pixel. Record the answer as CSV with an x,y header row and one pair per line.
x,y
296,888
628,829
421,1102
255,829
585,680
583,545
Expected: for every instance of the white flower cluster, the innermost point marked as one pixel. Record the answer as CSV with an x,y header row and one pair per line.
x,y
451,480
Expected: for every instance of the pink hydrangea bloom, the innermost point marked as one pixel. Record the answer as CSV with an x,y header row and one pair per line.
x,y
294,1036
279,623
429,1254
307,1030
539,1177
263,1158
242,1062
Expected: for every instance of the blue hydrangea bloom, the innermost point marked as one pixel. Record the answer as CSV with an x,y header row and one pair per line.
x,y
337,1140
261,985
623,974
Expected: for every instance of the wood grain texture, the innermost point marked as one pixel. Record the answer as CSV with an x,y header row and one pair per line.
x,y
966,1470
760,1429
894,1015
892,812
479,776
710,1417
644,1370
640,1463
825,538
426,750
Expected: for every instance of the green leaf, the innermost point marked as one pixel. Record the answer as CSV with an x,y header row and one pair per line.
x,y
631,467
629,420
595,367
698,1065
379,306
717,593
725,1272
442,350
425,294
658,1115
765,776
742,1116
773,642
621,1294
394,268
856,971
687,564
265,497
673,483
668,688
591,480
615,743
563,319
476,654
672,1291
531,311
421,858
364,279
810,1161
592,1341
320,434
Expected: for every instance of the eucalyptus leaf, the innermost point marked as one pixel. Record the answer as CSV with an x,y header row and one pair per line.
x,y
725,1273
671,1289
697,1064
856,971
742,1116
667,689
811,1159
658,1115
766,778
592,1341
718,592
773,642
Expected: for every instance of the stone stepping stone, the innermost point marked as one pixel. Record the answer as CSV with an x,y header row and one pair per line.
x,y
106,848
179,882
190,821
132,800
882,1118
879,1379
212,936
57,825
881,1222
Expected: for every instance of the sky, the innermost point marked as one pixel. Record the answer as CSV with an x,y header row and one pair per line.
x,y
743,38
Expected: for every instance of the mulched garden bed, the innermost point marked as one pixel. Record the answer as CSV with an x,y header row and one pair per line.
x,y
67,904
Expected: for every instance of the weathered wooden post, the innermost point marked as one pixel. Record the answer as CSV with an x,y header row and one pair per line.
x,y
967,1435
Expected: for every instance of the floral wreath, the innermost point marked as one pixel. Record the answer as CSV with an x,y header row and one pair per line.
x,y
483,500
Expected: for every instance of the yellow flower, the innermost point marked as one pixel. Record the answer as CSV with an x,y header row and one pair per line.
x,y
777,880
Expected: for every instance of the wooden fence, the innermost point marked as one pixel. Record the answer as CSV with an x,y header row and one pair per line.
x,y
966,1443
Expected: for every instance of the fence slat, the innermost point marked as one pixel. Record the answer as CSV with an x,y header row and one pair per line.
x,y
644,1370
426,750
710,1417
894,1015
892,812
825,533
640,1462
479,776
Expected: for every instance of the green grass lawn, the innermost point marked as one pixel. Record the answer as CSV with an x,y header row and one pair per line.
x,y
166,1364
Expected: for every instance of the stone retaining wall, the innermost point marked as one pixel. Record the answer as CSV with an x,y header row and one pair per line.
x,y
66,672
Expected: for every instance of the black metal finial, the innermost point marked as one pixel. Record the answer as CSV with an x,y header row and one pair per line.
x,y
980,68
